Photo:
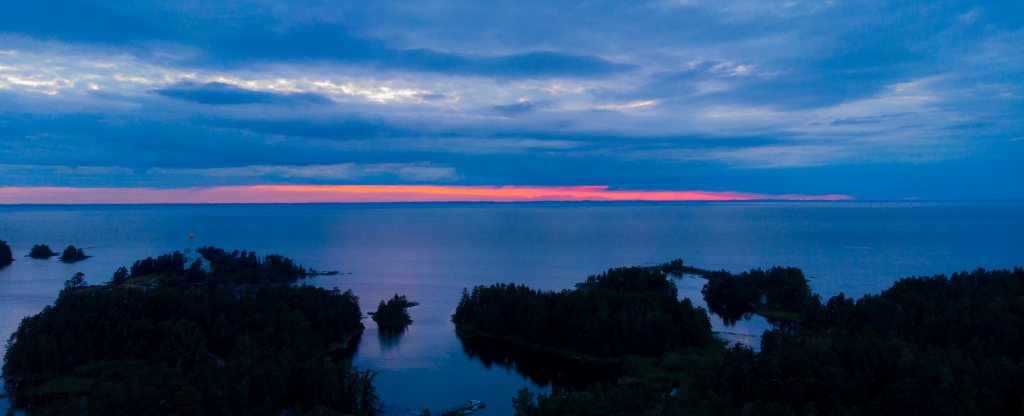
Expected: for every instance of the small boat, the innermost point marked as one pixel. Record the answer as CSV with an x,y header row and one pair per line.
x,y
470,407
475,405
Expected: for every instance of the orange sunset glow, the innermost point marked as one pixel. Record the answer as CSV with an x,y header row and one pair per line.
x,y
370,193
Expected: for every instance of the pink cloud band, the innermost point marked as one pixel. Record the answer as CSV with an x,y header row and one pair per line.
x,y
369,193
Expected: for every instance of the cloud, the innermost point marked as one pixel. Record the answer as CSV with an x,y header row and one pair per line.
x,y
970,17
335,44
491,145
632,105
342,128
9,170
415,172
217,93
245,40
522,106
80,175
78,20
380,94
15,174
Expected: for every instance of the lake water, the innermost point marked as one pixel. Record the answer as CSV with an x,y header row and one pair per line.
x,y
429,252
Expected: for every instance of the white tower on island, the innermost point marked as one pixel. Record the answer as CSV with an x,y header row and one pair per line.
x,y
192,255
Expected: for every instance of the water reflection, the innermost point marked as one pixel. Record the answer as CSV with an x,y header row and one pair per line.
x,y
389,339
541,368
735,324
731,313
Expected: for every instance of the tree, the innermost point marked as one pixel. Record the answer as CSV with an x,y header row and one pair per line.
x,y
5,254
72,254
41,251
120,276
75,282
393,314
523,404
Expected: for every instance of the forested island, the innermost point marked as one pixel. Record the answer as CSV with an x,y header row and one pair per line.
x,y
778,293
168,337
72,254
626,311
926,346
6,257
41,252
393,315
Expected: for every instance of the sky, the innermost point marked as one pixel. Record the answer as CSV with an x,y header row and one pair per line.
x,y
202,101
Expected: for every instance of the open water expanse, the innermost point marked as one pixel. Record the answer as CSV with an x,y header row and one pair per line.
x,y
430,252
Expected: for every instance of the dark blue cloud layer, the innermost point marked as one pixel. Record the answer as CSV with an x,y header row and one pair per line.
x,y
215,93
333,43
136,145
518,108
236,42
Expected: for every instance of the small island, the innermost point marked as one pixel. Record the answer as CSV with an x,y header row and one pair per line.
x,y
73,254
779,293
170,336
393,315
6,258
629,311
41,252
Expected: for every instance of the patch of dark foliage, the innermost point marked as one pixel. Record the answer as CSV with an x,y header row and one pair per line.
x,y
393,315
6,257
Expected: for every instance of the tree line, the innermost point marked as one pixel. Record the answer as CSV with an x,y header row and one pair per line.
x,y
41,251
925,346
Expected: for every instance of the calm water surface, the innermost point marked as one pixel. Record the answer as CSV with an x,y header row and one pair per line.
x,y
429,252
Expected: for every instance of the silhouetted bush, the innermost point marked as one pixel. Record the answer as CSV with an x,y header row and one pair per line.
x,y
393,314
41,251
6,257
72,254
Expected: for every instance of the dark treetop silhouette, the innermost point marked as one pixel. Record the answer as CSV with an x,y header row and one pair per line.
x,y
393,315
6,257
41,251
72,254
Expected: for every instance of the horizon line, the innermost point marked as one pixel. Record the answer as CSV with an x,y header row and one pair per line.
x,y
298,194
